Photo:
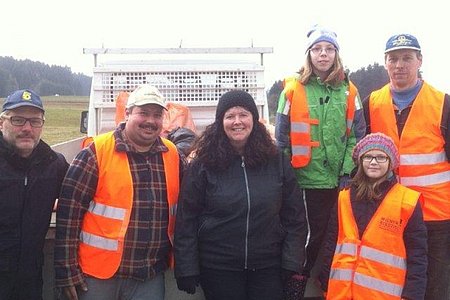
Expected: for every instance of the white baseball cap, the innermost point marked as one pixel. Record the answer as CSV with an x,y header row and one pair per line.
x,y
146,94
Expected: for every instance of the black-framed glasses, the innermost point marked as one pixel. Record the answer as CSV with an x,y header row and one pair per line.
x,y
378,158
20,121
318,50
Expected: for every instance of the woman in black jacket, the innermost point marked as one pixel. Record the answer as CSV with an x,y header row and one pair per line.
x,y
241,226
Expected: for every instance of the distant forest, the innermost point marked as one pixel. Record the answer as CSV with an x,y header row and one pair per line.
x,y
43,79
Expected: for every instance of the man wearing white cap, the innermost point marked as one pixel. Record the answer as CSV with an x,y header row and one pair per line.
x,y
115,217
417,117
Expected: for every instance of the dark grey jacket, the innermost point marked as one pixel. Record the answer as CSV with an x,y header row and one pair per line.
x,y
242,218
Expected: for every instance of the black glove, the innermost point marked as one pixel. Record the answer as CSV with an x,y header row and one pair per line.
x,y
294,287
286,275
188,283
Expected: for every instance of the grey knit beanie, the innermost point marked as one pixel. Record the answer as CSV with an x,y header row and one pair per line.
x,y
320,34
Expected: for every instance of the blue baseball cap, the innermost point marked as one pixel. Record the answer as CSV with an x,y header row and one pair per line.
x,y
402,41
23,98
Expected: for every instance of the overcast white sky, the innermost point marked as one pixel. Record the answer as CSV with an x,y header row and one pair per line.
x,y
55,32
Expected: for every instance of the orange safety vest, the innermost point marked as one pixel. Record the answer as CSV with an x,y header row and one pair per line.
x,y
424,166
373,267
106,221
301,141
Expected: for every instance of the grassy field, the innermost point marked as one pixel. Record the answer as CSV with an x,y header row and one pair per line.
x,y
62,117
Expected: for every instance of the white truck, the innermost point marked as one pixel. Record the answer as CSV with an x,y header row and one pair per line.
x,y
180,76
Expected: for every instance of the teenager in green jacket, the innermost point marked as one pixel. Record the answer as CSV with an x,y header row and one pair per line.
x,y
319,119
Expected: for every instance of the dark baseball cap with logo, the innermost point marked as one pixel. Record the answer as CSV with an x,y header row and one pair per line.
x,y
23,98
402,41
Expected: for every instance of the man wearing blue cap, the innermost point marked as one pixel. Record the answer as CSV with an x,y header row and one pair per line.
x,y
31,174
416,116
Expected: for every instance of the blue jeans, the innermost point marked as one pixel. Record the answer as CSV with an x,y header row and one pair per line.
x,y
438,273
262,284
124,289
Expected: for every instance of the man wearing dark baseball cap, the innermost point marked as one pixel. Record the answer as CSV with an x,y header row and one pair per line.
x,y
417,117
23,98
31,174
402,41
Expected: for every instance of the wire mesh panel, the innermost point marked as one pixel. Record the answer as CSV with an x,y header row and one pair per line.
x,y
195,87
198,85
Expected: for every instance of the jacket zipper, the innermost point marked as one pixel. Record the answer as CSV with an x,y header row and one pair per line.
x,y
248,212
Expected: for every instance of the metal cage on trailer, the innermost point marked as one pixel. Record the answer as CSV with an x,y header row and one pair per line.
x,y
195,83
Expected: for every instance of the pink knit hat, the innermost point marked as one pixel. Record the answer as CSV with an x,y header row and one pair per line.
x,y
376,141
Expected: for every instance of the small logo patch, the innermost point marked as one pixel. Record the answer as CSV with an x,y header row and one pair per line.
x,y
26,96
402,41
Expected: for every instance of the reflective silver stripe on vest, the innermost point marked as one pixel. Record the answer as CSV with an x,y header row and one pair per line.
x,y
426,180
349,124
98,241
341,274
173,210
346,248
378,285
422,159
107,211
300,150
383,257
299,127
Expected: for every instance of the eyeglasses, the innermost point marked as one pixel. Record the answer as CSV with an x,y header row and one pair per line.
x,y
318,50
378,158
20,121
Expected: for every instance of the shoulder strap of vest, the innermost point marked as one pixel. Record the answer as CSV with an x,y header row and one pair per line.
x,y
172,148
352,90
351,106
100,142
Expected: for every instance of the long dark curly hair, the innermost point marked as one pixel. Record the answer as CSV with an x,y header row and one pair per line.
x,y
213,148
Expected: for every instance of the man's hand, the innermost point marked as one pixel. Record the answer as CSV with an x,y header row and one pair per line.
x,y
71,291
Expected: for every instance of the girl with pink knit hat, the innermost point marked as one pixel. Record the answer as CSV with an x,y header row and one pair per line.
x,y
376,245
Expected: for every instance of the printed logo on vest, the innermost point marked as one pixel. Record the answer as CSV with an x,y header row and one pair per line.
x,y
390,225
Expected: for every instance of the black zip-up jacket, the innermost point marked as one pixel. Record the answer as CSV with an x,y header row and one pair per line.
x,y
28,189
242,218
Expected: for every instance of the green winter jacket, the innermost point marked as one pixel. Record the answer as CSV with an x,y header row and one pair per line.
x,y
333,158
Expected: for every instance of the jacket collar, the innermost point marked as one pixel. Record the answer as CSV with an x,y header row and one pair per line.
x,y
39,154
